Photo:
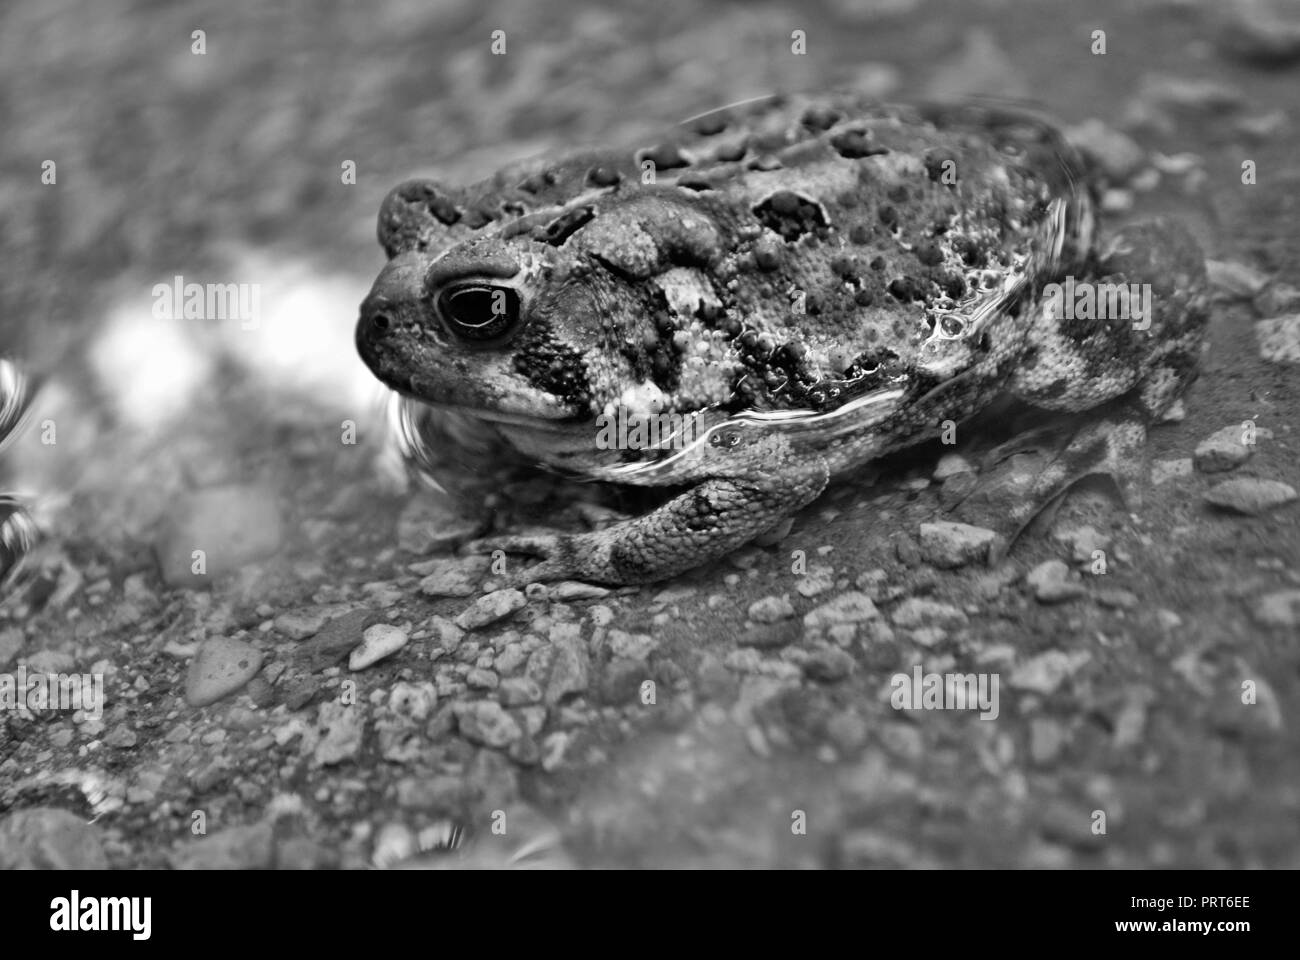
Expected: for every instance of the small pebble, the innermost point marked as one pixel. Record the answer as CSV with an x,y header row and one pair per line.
x,y
1250,495
1051,583
47,838
302,623
383,593
337,638
560,668
850,607
378,641
232,526
771,635
1225,449
414,700
949,465
1083,542
1164,470
11,644
444,633
1278,299
828,664
631,646
121,738
1279,339
1119,599
344,725
490,608
1047,671
1235,279
918,611
1115,200
1279,609
234,848
770,609
519,691
486,722
817,580
480,679
1118,154
908,553
49,661
1046,740
453,576
948,545
221,667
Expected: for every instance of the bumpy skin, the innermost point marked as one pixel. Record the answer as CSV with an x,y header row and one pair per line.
x,y
821,281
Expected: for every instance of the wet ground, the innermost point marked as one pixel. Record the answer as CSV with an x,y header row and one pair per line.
x,y
1147,714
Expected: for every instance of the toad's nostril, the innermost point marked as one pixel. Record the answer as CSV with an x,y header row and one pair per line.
x,y
380,323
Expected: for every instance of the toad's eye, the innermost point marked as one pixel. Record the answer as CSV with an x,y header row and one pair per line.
x,y
479,313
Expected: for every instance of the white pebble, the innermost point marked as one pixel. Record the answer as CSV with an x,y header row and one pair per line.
x,y
377,642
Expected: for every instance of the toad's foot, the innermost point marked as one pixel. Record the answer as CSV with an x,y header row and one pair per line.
x,y
703,524
1111,445
1119,363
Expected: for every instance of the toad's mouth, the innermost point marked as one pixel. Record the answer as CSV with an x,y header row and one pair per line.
x,y
558,423
515,402
544,438
552,421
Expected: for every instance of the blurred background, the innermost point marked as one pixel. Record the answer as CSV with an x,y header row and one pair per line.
x,y
227,166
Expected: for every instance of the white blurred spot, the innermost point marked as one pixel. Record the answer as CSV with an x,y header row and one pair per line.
x,y
303,341
300,343
149,368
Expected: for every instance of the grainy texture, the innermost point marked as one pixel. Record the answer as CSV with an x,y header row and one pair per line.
x,y
1127,698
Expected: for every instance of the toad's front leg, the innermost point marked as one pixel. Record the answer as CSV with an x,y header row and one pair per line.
x,y
705,523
